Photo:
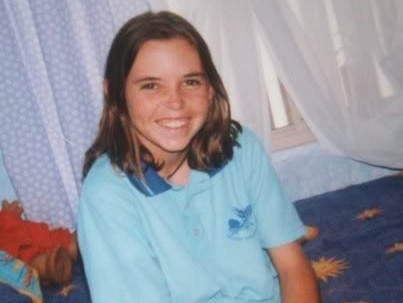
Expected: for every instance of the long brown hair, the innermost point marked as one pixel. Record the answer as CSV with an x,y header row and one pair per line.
x,y
213,144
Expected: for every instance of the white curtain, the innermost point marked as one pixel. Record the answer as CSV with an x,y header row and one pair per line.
x,y
340,60
52,55
342,63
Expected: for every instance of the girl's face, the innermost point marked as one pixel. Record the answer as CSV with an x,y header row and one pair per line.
x,y
168,96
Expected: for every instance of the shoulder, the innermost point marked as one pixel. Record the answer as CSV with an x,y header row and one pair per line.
x,y
250,156
107,192
103,169
103,177
247,136
249,145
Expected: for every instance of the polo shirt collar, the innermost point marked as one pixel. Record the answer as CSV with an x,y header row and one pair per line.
x,y
153,184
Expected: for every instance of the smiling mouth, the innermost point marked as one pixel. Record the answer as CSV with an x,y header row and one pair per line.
x,y
173,123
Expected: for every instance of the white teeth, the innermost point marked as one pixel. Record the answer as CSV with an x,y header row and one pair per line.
x,y
172,123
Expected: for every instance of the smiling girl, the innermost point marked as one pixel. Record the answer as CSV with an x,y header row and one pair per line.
x,y
180,203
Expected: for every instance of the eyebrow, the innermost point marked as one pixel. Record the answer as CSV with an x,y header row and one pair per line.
x,y
146,79
151,78
196,74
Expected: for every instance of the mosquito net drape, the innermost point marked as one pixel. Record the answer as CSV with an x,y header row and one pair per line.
x,y
340,60
51,65
342,63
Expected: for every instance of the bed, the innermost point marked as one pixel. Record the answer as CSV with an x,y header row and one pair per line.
x,y
358,253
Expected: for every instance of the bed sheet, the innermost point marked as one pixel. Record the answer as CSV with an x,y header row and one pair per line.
x,y
358,254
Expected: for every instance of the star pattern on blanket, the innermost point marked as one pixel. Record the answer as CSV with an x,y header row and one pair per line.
x,y
329,267
396,247
311,232
65,291
369,214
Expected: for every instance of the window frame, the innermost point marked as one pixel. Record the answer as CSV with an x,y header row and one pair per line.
x,y
296,133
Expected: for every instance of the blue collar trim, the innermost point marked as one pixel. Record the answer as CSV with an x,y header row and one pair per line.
x,y
154,184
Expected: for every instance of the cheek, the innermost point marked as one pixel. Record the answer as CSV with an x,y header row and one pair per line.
x,y
134,103
142,114
137,109
201,110
132,112
136,116
203,103
135,121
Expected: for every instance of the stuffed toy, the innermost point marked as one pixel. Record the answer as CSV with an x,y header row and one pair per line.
x,y
51,252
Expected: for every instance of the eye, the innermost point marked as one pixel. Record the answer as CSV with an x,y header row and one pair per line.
x,y
193,82
149,86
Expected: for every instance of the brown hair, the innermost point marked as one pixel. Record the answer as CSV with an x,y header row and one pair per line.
x,y
213,144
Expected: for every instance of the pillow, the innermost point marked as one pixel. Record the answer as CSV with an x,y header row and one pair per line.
x,y
7,191
20,277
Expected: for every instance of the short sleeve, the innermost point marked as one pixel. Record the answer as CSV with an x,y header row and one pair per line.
x,y
277,220
118,262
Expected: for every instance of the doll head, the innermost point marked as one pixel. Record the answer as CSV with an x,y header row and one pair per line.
x,y
54,266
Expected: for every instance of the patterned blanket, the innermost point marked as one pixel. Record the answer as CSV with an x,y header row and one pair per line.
x,y
358,254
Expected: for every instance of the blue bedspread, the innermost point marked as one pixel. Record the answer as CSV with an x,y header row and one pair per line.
x,y
358,255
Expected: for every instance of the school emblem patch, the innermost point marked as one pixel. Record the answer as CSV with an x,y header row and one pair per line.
x,y
243,226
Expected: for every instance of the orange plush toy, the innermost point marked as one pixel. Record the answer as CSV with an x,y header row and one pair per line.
x,y
50,252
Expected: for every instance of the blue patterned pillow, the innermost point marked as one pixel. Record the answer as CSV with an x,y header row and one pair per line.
x,y
23,279
7,191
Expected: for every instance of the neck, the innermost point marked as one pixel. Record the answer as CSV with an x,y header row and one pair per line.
x,y
177,168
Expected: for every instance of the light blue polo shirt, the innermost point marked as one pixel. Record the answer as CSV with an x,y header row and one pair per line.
x,y
203,242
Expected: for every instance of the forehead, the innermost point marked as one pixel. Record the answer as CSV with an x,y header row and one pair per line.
x,y
172,54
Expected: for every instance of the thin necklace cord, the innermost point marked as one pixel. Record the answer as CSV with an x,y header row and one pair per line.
x,y
176,169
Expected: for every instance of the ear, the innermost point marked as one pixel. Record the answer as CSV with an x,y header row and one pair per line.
x,y
105,85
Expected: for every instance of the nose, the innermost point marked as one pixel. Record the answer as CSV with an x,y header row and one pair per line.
x,y
175,98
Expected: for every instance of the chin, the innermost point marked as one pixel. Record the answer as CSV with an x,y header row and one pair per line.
x,y
174,145
175,149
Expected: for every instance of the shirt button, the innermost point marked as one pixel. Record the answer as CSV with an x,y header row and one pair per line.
x,y
196,232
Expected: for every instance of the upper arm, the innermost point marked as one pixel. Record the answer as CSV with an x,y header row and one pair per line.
x,y
287,257
297,278
119,263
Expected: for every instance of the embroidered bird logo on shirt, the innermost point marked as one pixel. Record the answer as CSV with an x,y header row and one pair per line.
x,y
244,225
